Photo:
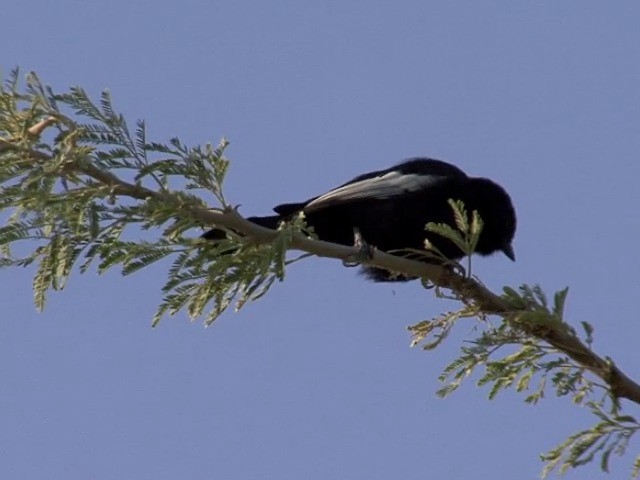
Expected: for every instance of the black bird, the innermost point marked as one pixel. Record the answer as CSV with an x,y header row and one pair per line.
x,y
391,207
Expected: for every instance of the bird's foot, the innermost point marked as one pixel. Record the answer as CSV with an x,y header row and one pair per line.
x,y
365,251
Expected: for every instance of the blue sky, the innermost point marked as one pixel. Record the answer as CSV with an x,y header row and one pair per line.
x,y
317,380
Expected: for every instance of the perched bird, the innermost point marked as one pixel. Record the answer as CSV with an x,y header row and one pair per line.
x,y
390,208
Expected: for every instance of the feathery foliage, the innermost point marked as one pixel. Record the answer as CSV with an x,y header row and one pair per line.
x,y
465,236
85,194
531,367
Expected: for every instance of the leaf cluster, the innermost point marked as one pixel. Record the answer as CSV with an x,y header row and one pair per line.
x,y
465,235
509,358
85,195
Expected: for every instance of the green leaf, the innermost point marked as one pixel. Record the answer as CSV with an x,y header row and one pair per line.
x,y
559,300
42,278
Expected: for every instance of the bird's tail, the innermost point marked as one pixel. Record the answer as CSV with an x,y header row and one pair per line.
x,y
270,221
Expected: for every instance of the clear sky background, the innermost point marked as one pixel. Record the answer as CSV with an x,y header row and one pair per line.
x,y
317,380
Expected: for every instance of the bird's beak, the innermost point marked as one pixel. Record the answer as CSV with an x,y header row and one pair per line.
x,y
508,251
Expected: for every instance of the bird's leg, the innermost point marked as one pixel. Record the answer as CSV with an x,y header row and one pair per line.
x,y
365,251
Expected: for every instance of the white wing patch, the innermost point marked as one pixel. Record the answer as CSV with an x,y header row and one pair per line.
x,y
384,186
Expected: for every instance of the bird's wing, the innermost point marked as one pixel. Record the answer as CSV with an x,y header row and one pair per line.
x,y
383,186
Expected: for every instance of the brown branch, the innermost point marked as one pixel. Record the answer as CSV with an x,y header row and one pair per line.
x,y
37,129
562,339
467,289
117,185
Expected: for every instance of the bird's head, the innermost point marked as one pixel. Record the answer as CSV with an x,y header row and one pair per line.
x,y
498,215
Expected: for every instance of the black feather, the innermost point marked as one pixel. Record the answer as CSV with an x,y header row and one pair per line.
x,y
391,207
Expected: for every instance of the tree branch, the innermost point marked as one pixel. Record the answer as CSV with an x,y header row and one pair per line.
x,y
466,289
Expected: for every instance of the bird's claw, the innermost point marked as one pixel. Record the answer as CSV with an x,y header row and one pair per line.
x,y
365,251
